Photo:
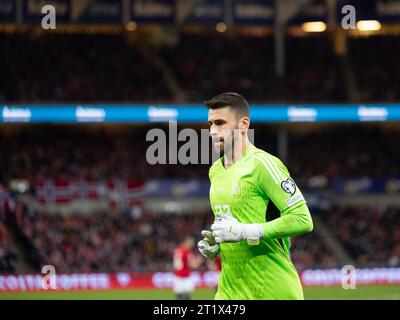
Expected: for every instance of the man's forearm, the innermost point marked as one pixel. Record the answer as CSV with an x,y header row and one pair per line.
x,y
295,222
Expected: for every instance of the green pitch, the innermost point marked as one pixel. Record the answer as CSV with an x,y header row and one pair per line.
x,y
390,292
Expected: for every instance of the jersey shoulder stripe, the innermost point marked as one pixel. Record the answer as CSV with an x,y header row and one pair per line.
x,y
270,163
268,168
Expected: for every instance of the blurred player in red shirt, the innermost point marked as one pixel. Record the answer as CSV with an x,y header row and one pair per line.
x,y
216,266
184,261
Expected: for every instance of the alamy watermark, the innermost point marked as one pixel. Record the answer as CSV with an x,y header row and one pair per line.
x,y
49,278
348,21
349,18
349,277
196,145
49,19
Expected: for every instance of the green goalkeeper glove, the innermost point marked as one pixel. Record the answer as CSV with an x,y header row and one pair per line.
x,y
208,246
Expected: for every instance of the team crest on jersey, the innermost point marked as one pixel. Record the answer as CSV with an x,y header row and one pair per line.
x,y
288,186
236,190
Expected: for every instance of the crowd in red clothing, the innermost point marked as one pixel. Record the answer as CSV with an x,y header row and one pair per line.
x,y
247,65
71,153
105,242
76,68
85,68
108,242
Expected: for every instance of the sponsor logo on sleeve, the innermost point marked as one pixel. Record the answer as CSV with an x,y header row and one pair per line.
x,y
294,199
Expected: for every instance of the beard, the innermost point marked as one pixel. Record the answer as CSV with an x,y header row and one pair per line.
x,y
225,145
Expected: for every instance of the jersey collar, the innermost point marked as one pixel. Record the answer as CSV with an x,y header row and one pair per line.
x,y
249,151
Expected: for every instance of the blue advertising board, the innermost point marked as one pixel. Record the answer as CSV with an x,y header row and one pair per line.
x,y
153,11
253,12
32,10
260,113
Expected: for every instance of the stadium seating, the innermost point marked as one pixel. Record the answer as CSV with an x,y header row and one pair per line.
x,y
246,65
75,70
376,67
108,242
203,65
105,242
7,255
74,153
76,73
371,235
343,151
309,252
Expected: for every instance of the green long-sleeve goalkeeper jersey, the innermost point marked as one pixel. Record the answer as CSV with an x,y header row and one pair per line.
x,y
258,189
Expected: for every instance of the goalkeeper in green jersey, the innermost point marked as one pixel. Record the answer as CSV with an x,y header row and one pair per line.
x,y
257,208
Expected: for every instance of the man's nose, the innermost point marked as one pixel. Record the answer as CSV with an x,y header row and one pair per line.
x,y
213,131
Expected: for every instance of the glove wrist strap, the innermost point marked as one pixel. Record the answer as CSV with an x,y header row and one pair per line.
x,y
253,233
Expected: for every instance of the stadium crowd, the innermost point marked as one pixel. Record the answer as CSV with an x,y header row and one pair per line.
x,y
7,255
309,252
248,67
105,242
73,153
371,235
376,67
127,241
75,72
113,242
345,151
81,154
69,68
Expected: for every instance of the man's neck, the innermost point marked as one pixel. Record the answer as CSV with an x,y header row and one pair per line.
x,y
236,153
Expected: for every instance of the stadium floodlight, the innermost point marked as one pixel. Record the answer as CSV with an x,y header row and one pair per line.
x,y
221,27
314,26
131,26
368,25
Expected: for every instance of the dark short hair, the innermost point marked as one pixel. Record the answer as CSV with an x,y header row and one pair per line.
x,y
230,99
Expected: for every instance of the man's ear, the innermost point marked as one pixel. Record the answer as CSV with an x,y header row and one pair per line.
x,y
244,123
